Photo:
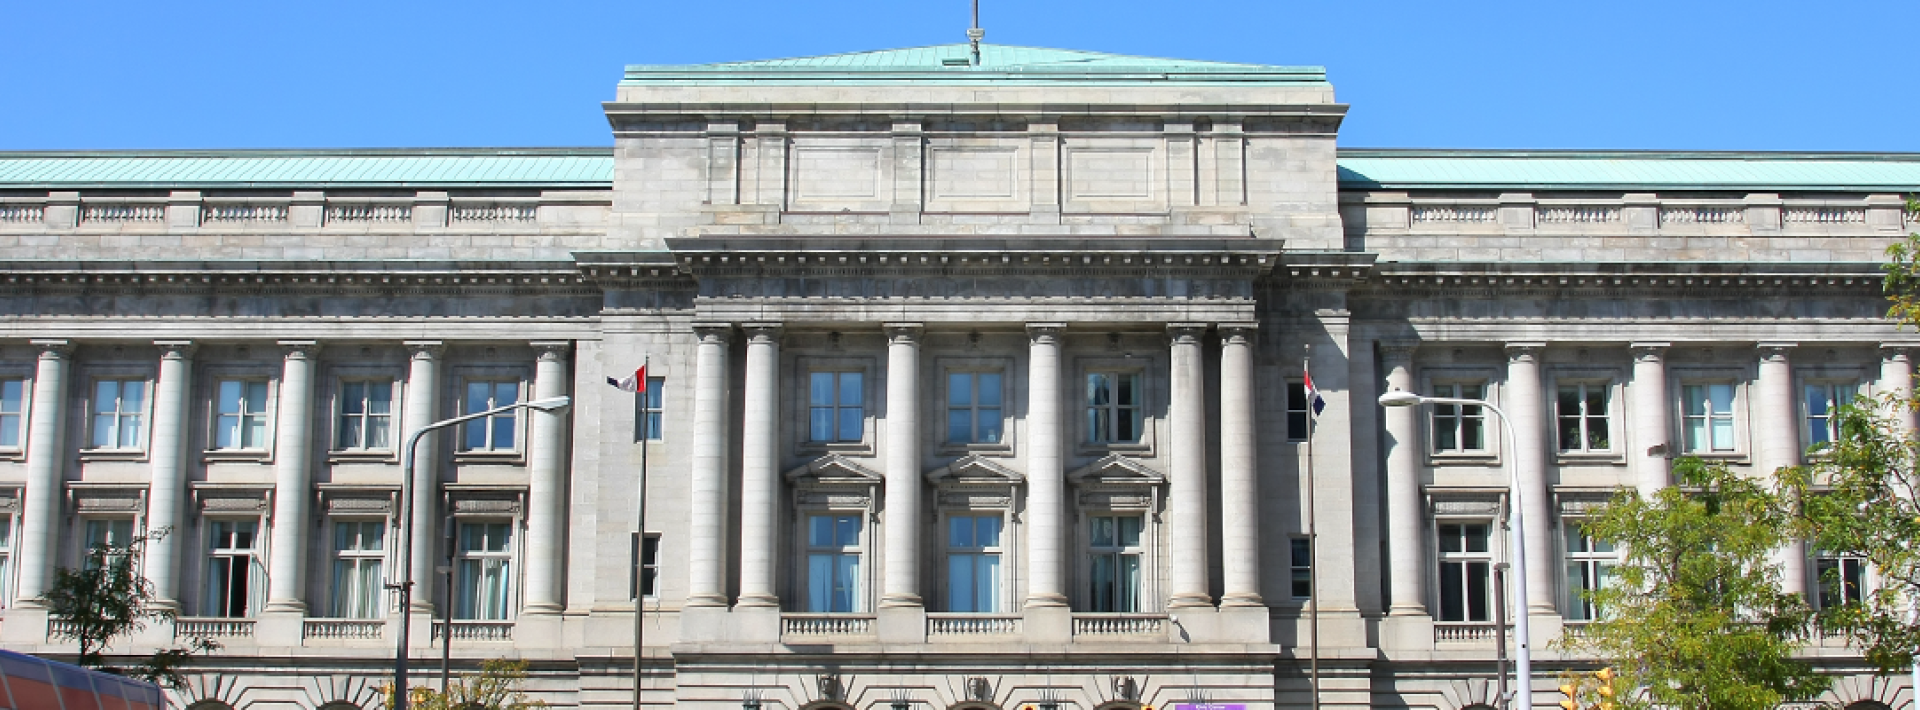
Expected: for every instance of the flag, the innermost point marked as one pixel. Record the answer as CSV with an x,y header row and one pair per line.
x,y
636,382
1313,395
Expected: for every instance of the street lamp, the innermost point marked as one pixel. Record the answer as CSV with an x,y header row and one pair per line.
x,y
550,404
1523,656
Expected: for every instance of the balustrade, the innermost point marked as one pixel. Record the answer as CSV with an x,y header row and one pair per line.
x,y
972,625
1455,213
22,213
369,213
344,629
825,625
124,213
493,213
243,213
475,630
1576,214
213,628
1825,215
1467,632
1119,624
1702,215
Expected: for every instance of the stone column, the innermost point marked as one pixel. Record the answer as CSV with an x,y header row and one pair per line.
x,y
292,482
707,484
547,481
46,454
1526,404
1651,430
422,398
759,467
901,583
1407,548
1239,469
1046,482
1188,489
1896,378
168,486
1776,429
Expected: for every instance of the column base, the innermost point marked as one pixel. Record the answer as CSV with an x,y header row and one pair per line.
x,y
890,601
541,609
1046,600
707,600
1544,628
278,606
756,601
755,624
280,628
1048,624
1189,600
1242,624
901,625
1407,632
1240,599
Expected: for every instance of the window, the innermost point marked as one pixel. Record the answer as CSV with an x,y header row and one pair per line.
x,y
1114,414
1297,411
1581,410
359,546
650,406
973,407
1459,428
973,563
240,415
833,562
234,579
1301,560
1821,401
6,557
646,565
1843,580
1708,417
366,415
493,432
836,407
1466,573
485,570
119,406
1114,544
13,410
1589,569
105,532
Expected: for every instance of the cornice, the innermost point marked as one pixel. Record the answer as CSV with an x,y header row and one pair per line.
x,y
1469,279
382,278
911,257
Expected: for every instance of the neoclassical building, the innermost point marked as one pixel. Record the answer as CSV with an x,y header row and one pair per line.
x,y
976,379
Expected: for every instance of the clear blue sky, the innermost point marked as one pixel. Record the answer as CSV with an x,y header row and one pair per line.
x,y
1671,74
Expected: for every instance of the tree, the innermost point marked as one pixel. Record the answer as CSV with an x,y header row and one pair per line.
x,y
496,688
1696,618
1903,275
106,598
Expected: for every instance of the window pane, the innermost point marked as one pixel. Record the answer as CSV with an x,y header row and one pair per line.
x,y
820,389
1722,397
1129,394
959,389
477,398
133,396
377,432
505,393
819,582
230,391
1477,602
1444,436
1097,389
1129,592
850,423
850,389
503,431
960,582
1099,425
1130,531
989,389
350,433
846,582
959,425
12,396
353,397
1101,532
475,435
1473,432
1597,438
1696,431
960,532
987,531
1449,538
1696,400
1132,426
380,398
1568,404
256,397
847,530
986,593
820,424
1722,434
1597,401
1103,583
989,426
1476,536
1569,433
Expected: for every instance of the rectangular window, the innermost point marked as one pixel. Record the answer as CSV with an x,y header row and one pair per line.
x,y
1843,580
1581,410
119,408
1113,542
359,547
485,571
366,415
1708,417
1297,411
1466,572
1459,428
234,578
240,414
973,407
13,412
1589,569
1821,401
106,532
1301,555
650,406
646,566
493,432
973,563
833,562
6,558
836,407
1114,411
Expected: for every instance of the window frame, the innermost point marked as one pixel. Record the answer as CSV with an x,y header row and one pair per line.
x,y
383,603
1740,379
1492,384
1490,556
649,410
1296,545
943,370
1830,379
801,408
862,601
23,419
644,581
521,391
8,534
1144,601
212,554
1595,564
1612,382
1003,600
1863,586
335,400
144,416
1152,370
510,604
266,413
1297,405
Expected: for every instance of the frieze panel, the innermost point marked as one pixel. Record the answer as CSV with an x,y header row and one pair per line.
x,y
973,499
832,499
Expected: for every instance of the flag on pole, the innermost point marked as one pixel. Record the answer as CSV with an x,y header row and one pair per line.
x,y
1313,395
636,382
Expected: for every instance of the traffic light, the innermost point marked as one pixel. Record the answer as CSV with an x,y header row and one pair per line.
x,y
1572,692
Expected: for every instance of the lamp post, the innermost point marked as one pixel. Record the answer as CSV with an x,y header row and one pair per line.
x,y
405,585
1523,655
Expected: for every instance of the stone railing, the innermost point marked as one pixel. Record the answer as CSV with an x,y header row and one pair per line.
x,y
1824,215
475,631
1703,214
60,629
826,625
973,625
1576,214
1455,213
22,214
1466,632
243,213
377,214
344,629
1119,624
492,213
123,213
213,628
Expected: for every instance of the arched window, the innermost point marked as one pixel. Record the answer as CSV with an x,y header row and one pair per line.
x,y
1118,705
1867,705
210,705
339,705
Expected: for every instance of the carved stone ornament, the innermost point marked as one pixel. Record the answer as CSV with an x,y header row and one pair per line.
x,y
359,505
1116,470
1524,352
1468,505
472,504
235,502
834,481
9,500
975,470
107,501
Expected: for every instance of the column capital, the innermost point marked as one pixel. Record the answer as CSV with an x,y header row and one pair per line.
x,y
1648,352
175,349
763,333
300,349
714,333
1397,352
903,333
1186,333
1239,333
53,349
551,350
1045,333
1897,352
1524,352
424,349
1774,352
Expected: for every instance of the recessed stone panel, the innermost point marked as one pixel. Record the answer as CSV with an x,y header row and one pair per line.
x,y
1118,177
977,178
832,175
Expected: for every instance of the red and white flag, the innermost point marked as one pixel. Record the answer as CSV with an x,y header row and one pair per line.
x,y
636,382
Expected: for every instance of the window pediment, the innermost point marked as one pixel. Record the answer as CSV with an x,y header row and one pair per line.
x,y
1116,470
975,470
831,470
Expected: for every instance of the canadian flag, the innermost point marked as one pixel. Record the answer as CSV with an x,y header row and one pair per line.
x,y
636,382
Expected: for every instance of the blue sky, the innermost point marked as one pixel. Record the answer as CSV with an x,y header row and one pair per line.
x,y
1677,74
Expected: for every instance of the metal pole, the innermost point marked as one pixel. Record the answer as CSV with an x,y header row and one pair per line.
x,y
1500,632
1313,552
446,616
640,530
1523,656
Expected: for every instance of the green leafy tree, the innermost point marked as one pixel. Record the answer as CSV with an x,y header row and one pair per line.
x,y
106,598
1903,275
497,687
1696,619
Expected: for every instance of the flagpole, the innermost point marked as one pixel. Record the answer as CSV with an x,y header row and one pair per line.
x,y
1313,542
640,528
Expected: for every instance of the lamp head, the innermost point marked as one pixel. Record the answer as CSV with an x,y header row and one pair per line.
x,y
1400,398
551,404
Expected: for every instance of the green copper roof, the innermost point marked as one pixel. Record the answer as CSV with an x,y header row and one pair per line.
x,y
953,64
1629,170
319,168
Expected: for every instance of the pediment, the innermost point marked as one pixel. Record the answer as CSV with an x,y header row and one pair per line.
x,y
834,469
974,469
1115,469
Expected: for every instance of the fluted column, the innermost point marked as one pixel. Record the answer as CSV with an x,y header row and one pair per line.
x,y
1188,489
1651,430
547,481
422,399
1896,378
292,478
1046,482
168,485
1407,549
901,584
707,484
759,469
40,514
1777,443
1239,469
1527,405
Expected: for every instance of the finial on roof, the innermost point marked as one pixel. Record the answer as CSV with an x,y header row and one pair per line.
x,y
975,34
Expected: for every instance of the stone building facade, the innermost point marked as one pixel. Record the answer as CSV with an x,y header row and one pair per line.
x,y
975,381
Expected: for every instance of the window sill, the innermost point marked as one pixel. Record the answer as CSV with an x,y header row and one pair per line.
x,y
361,456
1465,459
957,449
13,455
1139,449
1589,457
112,455
236,456
489,458
844,448
1732,457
